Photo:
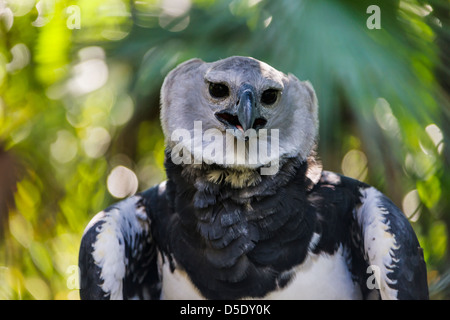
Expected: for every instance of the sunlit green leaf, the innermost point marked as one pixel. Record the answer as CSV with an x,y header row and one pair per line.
x,y
429,191
41,258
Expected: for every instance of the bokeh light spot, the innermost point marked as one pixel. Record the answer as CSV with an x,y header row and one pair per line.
x,y
96,142
354,165
122,182
411,205
64,149
436,136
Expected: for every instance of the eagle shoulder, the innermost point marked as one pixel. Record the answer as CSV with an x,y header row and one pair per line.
x,y
386,258
117,256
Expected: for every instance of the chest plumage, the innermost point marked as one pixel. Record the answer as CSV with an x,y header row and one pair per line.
x,y
245,242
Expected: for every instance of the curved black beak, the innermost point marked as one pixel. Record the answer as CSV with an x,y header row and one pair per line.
x,y
246,110
245,114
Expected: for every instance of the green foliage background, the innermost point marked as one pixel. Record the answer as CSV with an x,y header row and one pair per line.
x,y
79,95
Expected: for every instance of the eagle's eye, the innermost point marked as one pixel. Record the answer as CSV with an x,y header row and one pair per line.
x,y
218,90
269,96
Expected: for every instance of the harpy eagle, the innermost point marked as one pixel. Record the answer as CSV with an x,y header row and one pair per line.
x,y
247,211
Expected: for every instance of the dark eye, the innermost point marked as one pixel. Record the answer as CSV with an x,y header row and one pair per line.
x,y
218,90
269,96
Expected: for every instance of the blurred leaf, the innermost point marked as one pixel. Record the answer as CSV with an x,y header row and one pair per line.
x,y
21,229
41,258
37,288
438,240
429,191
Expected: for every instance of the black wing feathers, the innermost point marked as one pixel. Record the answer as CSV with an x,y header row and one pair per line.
x,y
361,218
117,256
90,278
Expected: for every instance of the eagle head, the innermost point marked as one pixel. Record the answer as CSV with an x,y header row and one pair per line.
x,y
238,113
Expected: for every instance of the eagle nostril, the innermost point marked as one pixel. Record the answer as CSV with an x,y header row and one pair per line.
x,y
259,122
228,118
